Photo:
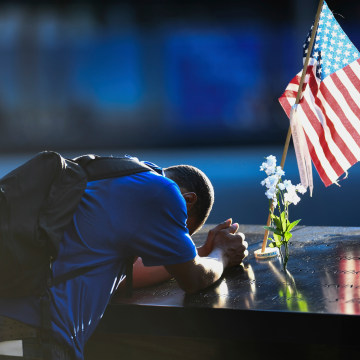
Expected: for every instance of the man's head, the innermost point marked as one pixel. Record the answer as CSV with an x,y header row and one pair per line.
x,y
197,191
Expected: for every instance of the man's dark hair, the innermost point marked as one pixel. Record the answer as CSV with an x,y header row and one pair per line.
x,y
194,180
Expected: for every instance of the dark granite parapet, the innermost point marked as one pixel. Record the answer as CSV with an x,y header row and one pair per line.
x,y
316,302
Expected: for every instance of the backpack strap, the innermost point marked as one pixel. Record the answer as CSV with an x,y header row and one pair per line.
x,y
103,167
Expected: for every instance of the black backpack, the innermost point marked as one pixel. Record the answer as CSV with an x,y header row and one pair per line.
x,y
37,201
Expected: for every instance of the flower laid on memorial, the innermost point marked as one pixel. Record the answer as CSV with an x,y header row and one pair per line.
x,y
281,194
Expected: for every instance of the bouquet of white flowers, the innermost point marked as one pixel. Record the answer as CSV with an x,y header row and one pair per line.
x,y
281,193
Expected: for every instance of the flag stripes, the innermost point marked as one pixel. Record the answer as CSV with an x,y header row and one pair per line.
x,y
330,117
329,108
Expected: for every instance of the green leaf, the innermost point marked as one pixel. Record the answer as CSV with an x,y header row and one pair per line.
x,y
277,221
283,220
278,240
292,225
278,243
287,236
270,228
278,232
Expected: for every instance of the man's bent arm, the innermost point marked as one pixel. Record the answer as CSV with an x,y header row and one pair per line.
x,y
223,248
229,249
150,275
198,273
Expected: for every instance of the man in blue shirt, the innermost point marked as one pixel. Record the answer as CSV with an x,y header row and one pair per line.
x,y
145,215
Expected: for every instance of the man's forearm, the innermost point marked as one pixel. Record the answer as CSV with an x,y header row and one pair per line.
x,y
200,272
151,275
210,268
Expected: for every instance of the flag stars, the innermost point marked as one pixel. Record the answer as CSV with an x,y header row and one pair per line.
x,y
332,49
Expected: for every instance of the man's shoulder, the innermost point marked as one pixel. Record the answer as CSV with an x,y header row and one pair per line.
x,y
162,184
155,179
141,186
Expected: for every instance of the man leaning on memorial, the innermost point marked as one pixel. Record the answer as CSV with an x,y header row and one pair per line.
x,y
149,216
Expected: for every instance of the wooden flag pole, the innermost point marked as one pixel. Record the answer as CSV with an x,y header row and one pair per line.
x,y
298,97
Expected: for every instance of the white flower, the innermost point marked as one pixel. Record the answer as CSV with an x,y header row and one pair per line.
x,y
269,166
301,188
290,196
271,193
288,185
271,181
269,171
279,171
271,161
274,184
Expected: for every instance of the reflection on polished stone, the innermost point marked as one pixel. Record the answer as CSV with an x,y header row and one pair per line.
x,y
323,277
222,292
349,284
342,284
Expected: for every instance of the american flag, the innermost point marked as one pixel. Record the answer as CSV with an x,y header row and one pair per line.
x,y
329,109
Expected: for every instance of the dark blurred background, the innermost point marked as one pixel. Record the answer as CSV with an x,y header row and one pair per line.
x,y
190,80
150,73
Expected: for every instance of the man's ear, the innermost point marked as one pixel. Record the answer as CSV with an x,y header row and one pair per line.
x,y
190,199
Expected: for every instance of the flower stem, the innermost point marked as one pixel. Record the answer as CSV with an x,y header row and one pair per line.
x,y
286,256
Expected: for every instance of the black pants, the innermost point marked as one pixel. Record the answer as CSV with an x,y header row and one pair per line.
x,y
35,346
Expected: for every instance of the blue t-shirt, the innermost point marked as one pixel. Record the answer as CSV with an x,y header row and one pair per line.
x,y
140,215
